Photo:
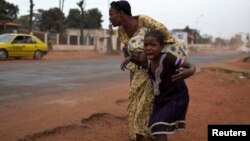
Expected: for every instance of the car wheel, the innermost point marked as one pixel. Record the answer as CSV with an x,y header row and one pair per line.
x,y
3,54
38,54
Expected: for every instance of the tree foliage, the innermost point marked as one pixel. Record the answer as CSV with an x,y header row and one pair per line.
x,y
93,18
74,18
24,20
220,42
8,11
206,39
52,20
195,37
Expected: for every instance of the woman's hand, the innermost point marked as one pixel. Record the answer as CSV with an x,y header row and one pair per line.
x,y
183,73
124,63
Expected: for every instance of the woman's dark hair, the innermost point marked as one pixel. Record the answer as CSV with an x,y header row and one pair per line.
x,y
157,34
121,5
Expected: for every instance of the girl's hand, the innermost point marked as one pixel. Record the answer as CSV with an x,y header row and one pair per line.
x,y
185,71
181,75
124,63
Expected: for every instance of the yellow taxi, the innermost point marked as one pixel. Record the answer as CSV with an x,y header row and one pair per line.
x,y
21,45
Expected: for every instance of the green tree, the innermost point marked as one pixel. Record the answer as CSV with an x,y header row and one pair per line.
x,y
190,34
206,39
74,18
220,42
8,11
52,20
93,19
24,20
187,29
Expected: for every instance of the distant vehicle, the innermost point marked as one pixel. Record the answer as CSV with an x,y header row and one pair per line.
x,y
21,45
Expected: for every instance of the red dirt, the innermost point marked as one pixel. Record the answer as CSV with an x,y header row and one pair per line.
x,y
214,99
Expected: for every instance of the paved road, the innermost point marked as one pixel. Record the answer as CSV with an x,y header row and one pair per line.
x,y
48,77
22,79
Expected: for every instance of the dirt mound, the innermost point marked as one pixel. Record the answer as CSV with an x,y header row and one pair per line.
x,y
247,59
87,131
227,72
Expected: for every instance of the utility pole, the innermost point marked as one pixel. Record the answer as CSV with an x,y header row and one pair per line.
x,y
248,44
109,39
197,31
61,4
197,21
31,17
81,5
60,1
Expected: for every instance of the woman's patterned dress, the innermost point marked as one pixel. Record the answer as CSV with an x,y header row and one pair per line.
x,y
140,99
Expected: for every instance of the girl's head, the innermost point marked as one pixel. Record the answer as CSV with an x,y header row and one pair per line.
x,y
153,44
117,10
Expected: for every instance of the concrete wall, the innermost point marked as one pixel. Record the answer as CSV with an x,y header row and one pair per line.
x,y
100,40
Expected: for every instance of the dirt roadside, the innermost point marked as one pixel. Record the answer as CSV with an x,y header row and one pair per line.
x,y
216,97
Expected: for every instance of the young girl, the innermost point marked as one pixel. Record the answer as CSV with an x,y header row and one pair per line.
x,y
167,74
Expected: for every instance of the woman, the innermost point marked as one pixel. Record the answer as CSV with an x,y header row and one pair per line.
x,y
131,30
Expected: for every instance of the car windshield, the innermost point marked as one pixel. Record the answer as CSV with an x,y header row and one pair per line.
x,y
6,37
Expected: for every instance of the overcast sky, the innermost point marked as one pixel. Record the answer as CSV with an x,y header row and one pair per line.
x,y
223,18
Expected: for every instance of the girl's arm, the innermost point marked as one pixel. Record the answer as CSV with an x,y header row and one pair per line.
x,y
186,70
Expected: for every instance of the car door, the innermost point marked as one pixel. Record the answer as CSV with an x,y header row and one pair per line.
x,y
17,46
30,46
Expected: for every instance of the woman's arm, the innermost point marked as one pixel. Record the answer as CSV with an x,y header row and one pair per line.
x,y
186,70
151,23
141,61
171,44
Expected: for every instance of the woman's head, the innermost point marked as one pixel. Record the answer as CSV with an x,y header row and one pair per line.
x,y
122,6
117,10
153,44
